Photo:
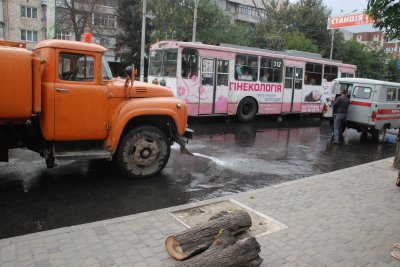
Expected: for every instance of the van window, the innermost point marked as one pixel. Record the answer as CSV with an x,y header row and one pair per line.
x,y
391,94
362,92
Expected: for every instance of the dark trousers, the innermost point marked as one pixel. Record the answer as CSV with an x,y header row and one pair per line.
x,y
338,126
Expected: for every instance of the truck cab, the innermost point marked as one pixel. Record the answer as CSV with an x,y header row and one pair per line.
x,y
74,108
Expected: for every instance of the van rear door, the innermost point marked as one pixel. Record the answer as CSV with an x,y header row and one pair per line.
x,y
388,112
360,107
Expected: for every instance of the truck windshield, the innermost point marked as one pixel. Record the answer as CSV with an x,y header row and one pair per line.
x,y
105,70
163,62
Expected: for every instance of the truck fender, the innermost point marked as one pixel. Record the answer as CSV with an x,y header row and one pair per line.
x,y
130,111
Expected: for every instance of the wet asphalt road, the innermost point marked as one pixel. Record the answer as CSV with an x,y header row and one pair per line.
x,y
230,157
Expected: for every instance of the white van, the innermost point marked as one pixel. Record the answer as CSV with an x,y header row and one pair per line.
x,y
374,108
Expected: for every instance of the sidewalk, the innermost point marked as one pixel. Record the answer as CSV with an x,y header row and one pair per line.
x,y
349,217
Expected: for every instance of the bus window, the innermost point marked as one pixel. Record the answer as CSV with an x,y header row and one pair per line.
x,y
246,68
271,70
391,94
298,83
163,62
207,71
222,72
313,74
189,63
330,73
346,75
289,78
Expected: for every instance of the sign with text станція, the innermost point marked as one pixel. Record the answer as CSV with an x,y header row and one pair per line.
x,y
349,20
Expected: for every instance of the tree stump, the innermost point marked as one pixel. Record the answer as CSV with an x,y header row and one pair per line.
x,y
243,253
197,239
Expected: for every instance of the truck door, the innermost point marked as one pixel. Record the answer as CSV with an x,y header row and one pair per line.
x,y
213,91
80,101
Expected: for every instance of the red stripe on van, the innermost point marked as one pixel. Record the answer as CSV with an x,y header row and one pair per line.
x,y
359,103
389,111
388,118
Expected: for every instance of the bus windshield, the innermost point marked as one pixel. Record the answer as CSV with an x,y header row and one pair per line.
x,y
163,62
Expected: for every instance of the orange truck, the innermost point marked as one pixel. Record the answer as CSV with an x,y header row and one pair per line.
x,y
61,101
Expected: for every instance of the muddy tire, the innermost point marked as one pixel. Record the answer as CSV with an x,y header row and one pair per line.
x,y
144,151
379,135
246,110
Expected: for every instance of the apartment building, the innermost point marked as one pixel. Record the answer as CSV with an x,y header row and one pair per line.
x,y
23,21
102,23
251,11
391,47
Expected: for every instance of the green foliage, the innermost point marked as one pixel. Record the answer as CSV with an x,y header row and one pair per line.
x,y
129,20
392,73
370,60
298,41
308,17
386,16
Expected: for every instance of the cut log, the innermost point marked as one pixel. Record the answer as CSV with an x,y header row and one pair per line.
x,y
197,239
243,253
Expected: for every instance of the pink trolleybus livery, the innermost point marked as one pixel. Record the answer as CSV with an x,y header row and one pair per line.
x,y
243,81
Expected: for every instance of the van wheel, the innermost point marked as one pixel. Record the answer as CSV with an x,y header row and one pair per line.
x,y
379,135
143,152
246,110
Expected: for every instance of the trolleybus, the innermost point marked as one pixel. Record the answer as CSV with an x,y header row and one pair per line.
x,y
244,81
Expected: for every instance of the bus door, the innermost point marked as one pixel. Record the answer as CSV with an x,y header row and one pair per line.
x,y
292,91
213,91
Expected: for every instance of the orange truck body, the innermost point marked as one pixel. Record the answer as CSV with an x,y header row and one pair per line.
x,y
78,112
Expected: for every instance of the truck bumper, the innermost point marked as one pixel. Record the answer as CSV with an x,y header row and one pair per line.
x,y
188,133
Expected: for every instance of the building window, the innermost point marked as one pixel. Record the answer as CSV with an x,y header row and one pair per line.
x,y
105,20
28,12
251,11
64,35
30,36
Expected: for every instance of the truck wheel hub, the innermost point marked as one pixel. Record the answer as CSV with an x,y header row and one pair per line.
x,y
145,152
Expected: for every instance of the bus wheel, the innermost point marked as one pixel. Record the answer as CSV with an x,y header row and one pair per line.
x,y
379,135
144,151
246,110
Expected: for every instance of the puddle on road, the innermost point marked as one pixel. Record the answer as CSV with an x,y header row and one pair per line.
x,y
214,159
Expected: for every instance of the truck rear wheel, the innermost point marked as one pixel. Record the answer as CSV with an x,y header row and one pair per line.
x,y
379,135
144,151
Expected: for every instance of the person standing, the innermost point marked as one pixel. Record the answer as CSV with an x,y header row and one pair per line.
x,y
340,109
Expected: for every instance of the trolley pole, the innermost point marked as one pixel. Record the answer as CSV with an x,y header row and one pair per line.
x,y
333,36
143,41
194,21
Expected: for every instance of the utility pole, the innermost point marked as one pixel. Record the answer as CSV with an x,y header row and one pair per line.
x,y
194,21
143,41
333,37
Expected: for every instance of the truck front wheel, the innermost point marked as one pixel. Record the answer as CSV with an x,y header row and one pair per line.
x,y
144,151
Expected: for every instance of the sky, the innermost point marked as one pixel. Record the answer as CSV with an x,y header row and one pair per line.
x,y
345,7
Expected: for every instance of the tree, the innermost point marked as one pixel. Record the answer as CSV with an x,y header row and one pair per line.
x,y
298,41
308,17
174,20
76,15
370,60
129,19
386,16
